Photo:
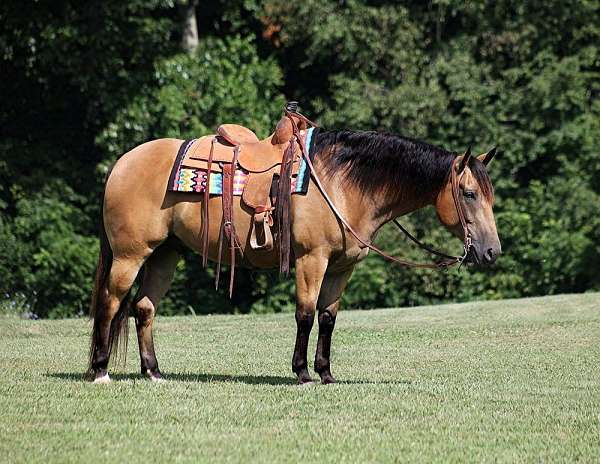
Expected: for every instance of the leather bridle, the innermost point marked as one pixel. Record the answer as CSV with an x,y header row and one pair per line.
x,y
455,178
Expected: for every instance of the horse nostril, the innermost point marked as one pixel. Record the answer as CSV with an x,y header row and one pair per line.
x,y
489,256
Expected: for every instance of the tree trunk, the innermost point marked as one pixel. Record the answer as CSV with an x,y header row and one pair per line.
x,y
189,37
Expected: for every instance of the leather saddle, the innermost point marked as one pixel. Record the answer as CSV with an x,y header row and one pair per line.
x,y
237,147
255,156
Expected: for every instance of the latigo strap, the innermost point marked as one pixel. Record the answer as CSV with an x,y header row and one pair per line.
x,y
228,227
205,217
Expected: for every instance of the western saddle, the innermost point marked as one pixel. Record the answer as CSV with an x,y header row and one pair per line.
x,y
275,158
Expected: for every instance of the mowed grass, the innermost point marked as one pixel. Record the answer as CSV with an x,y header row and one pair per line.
x,y
514,380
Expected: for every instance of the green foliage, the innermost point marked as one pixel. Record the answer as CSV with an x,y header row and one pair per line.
x,y
190,94
85,83
49,260
65,74
273,295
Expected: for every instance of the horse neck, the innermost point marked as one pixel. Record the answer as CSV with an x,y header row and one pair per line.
x,y
367,212
369,206
387,207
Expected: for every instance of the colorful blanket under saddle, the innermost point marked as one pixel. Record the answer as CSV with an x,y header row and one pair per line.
x,y
193,180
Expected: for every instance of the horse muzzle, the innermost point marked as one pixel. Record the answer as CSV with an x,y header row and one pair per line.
x,y
483,256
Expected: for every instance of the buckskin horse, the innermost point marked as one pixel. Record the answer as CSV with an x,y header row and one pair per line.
x,y
358,181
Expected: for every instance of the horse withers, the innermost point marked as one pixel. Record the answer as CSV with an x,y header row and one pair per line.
x,y
359,182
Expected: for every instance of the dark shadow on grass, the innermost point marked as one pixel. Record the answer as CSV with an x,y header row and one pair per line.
x,y
187,377
207,378
374,382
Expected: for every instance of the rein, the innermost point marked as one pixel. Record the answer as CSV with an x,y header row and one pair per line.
x,y
455,179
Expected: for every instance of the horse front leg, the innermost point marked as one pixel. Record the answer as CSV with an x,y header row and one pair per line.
x,y
328,304
310,269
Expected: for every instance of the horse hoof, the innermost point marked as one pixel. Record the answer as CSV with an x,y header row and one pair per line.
x,y
328,380
154,376
304,378
102,379
308,383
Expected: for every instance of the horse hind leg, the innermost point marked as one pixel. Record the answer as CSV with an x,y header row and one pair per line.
x,y
111,315
158,274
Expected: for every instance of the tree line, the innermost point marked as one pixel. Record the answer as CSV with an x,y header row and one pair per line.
x,y
84,82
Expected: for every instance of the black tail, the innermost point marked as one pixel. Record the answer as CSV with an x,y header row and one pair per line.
x,y
119,325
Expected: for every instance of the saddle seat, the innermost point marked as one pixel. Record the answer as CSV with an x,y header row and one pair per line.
x,y
236,134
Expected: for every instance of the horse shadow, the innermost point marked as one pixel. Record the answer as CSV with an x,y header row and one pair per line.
x,y
209,378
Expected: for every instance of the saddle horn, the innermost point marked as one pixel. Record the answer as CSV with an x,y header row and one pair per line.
x,y
292,106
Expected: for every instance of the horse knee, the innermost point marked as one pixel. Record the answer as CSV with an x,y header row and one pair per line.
x,y
305,318
326,322
144,310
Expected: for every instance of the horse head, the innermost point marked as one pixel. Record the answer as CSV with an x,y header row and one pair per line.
x,y
468,192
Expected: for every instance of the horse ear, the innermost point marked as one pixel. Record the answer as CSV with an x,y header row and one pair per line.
x,y
487,157
465,160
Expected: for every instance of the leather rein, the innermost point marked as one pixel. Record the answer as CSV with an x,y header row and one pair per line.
x,y
455,177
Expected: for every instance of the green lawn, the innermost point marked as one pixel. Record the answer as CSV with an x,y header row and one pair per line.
x,y
514,380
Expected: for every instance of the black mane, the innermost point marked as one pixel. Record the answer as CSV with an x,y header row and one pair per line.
x,y
377,161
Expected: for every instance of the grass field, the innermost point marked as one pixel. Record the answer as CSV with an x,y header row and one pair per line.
x,y
514,380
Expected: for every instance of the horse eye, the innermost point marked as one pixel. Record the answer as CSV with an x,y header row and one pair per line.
x,y
469,194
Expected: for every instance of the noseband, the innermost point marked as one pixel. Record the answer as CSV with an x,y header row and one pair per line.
x,y
455,178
